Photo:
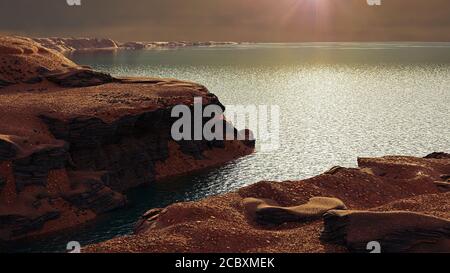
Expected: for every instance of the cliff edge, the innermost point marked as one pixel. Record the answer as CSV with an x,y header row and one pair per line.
x,y
73,139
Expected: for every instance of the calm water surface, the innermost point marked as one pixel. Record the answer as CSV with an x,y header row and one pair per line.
x,y
337,101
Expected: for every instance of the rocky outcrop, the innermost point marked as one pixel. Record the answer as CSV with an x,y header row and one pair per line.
x,y
438,155
134,45
72,140
89,191
33,167
76,44
147,220
79,78
22,60
270,212
397,231
392,200
175,44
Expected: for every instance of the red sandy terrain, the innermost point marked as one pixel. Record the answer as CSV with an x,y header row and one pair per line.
x,y
73,139
393,200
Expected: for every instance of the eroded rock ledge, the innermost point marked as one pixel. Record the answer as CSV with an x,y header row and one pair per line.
x,y
394,200
73,139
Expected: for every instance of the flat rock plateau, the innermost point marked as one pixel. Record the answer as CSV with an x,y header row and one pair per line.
x,y
401,203
72,140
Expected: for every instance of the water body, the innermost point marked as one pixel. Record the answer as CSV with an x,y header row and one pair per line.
x,y
338,101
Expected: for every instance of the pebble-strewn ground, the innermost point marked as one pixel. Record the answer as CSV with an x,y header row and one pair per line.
x,y
388,184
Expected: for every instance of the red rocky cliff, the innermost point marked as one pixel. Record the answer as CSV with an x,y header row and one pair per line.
x,y
73,139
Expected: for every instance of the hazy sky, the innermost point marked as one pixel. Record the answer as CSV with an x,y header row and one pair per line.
x,y
230,20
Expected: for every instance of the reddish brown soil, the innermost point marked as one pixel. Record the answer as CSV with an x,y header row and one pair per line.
x,y
220,223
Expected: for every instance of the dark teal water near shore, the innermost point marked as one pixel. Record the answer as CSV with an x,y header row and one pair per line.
x,y
121,222
337,102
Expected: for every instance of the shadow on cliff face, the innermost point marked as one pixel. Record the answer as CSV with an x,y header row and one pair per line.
x,y
122,221
73,139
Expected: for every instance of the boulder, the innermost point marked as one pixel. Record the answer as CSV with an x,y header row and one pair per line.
x,y
438,155
270,212
395,231
147,220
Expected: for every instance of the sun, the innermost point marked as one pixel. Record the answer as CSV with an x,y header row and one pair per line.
x,y
318,10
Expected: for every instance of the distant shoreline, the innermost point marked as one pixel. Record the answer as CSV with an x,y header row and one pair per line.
x,y
80,45
67,45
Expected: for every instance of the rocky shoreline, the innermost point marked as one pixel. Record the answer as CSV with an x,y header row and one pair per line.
x,y
396,201
72,140
65,45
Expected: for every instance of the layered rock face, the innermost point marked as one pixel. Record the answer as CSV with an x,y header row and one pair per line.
x,y
72,139
394,201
